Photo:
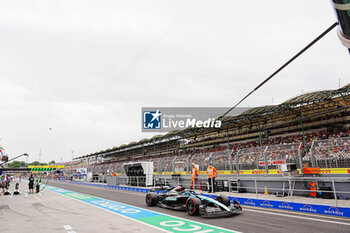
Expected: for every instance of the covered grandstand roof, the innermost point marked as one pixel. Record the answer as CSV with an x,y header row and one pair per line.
x,y
347,86
133,143
157,137
312,97
260,110
143,141
308,103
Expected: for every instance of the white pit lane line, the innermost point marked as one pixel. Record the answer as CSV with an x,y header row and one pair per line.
x,y
67,227
295,216
296,213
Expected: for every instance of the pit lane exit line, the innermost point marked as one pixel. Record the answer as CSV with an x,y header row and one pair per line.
x,y
294,216
163,222
295,213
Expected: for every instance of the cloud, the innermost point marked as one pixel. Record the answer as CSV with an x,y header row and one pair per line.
x,y
86,69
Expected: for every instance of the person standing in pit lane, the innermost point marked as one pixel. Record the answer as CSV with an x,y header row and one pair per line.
x,y
31,184
193,176
2,183
212,174
9,178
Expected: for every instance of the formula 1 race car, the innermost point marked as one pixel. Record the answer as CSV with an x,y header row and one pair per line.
x,y
179,198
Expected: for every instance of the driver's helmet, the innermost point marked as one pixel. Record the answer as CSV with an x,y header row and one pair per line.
x,y
189,193
179,188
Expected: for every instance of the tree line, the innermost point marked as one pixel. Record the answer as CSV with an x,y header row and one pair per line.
x,y
17,164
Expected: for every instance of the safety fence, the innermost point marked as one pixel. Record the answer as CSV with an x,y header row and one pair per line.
x,y
325,154
330,153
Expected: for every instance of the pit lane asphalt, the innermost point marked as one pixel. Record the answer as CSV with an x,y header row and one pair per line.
x,y
253,220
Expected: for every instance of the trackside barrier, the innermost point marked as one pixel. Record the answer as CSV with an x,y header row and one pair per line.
x,y
283,205
298,207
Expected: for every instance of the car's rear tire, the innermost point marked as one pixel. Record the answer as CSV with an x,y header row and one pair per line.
x,y
151,199
223,199
192,206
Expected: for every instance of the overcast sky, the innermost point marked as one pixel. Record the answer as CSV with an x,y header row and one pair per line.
x,y
85,68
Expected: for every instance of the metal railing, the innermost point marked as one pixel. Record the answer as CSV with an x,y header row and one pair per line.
x,y
330,153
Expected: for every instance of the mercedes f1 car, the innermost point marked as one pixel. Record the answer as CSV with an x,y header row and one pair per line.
x,y
179,198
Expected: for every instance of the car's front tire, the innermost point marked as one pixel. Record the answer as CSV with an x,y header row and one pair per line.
x,y
192,206
151,199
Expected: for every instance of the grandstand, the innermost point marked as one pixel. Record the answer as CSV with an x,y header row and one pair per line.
x,y
310,129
